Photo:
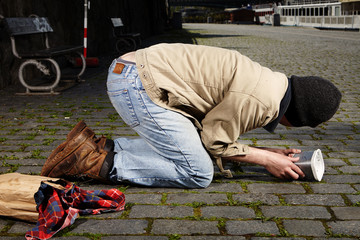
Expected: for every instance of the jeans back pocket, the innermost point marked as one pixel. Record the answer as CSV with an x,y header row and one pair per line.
x,y
122,103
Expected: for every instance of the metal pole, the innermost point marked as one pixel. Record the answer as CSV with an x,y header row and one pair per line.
x,y
85,27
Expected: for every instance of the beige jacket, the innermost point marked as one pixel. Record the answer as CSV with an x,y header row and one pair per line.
x,y
223,92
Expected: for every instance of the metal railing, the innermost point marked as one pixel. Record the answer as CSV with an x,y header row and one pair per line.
x,y
303,2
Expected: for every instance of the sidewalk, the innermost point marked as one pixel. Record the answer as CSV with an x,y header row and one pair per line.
x,y
252,205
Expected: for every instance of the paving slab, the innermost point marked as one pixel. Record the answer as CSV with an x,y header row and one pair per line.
x,y
314,199
261,198
332,188
229,212
275,188
302,212
185,227
149,211
351,228
305,227
251,227
112,226
347,213
188,198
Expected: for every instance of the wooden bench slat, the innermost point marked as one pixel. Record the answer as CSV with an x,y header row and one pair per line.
x,y
23,26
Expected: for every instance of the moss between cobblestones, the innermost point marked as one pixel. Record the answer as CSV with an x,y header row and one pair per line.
x,y
5,157
222,226
149,226
14,131
48,141
13,167
164,198
174,236
127,209
282,200
307,188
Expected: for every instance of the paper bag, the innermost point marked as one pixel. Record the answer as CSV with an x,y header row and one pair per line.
x,y
17,195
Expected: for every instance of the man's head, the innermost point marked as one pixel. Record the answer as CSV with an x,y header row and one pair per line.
x,y
314,100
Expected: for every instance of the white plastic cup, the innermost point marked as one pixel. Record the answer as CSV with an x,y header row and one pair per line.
x,y
312,164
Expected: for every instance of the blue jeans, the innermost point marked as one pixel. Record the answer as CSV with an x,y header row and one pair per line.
x,y
169,153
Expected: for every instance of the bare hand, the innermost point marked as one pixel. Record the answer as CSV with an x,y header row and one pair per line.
x,y
280,163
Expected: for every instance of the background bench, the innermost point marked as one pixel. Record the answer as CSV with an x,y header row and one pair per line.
x,y
42,61
125,42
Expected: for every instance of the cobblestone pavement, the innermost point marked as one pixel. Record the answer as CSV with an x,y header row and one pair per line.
x,y
252,205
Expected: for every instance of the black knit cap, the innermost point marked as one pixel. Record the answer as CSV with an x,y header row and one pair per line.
x,y
314,100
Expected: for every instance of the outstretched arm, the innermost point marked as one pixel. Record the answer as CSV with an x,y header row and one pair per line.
x,y
279,162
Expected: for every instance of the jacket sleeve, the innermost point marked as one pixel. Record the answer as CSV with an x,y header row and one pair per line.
x,y
233,116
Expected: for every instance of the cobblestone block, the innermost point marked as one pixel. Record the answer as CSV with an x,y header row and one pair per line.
x,y
21,227
347,213
42,148
333,238
111,226
344,154
314,199
212,238
149,211
267,199
222,187
350,169
70,238
330,170
2,223
332,188
231,212
29,169
135,238
354,161
302,212
354,199
14,155
275,188
107,215
357,186
305,227
184,227
345,227
4,169
144,198
315,144
342,178
29,162
184,198
9,148
251,227
274,238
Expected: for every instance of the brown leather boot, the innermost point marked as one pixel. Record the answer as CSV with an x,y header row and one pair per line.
x,y
83,148
90,159
75,138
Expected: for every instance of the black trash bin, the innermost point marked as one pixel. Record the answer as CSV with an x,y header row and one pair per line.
x,y
276,20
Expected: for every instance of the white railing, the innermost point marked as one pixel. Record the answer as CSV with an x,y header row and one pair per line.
x,y
322,21
302,2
